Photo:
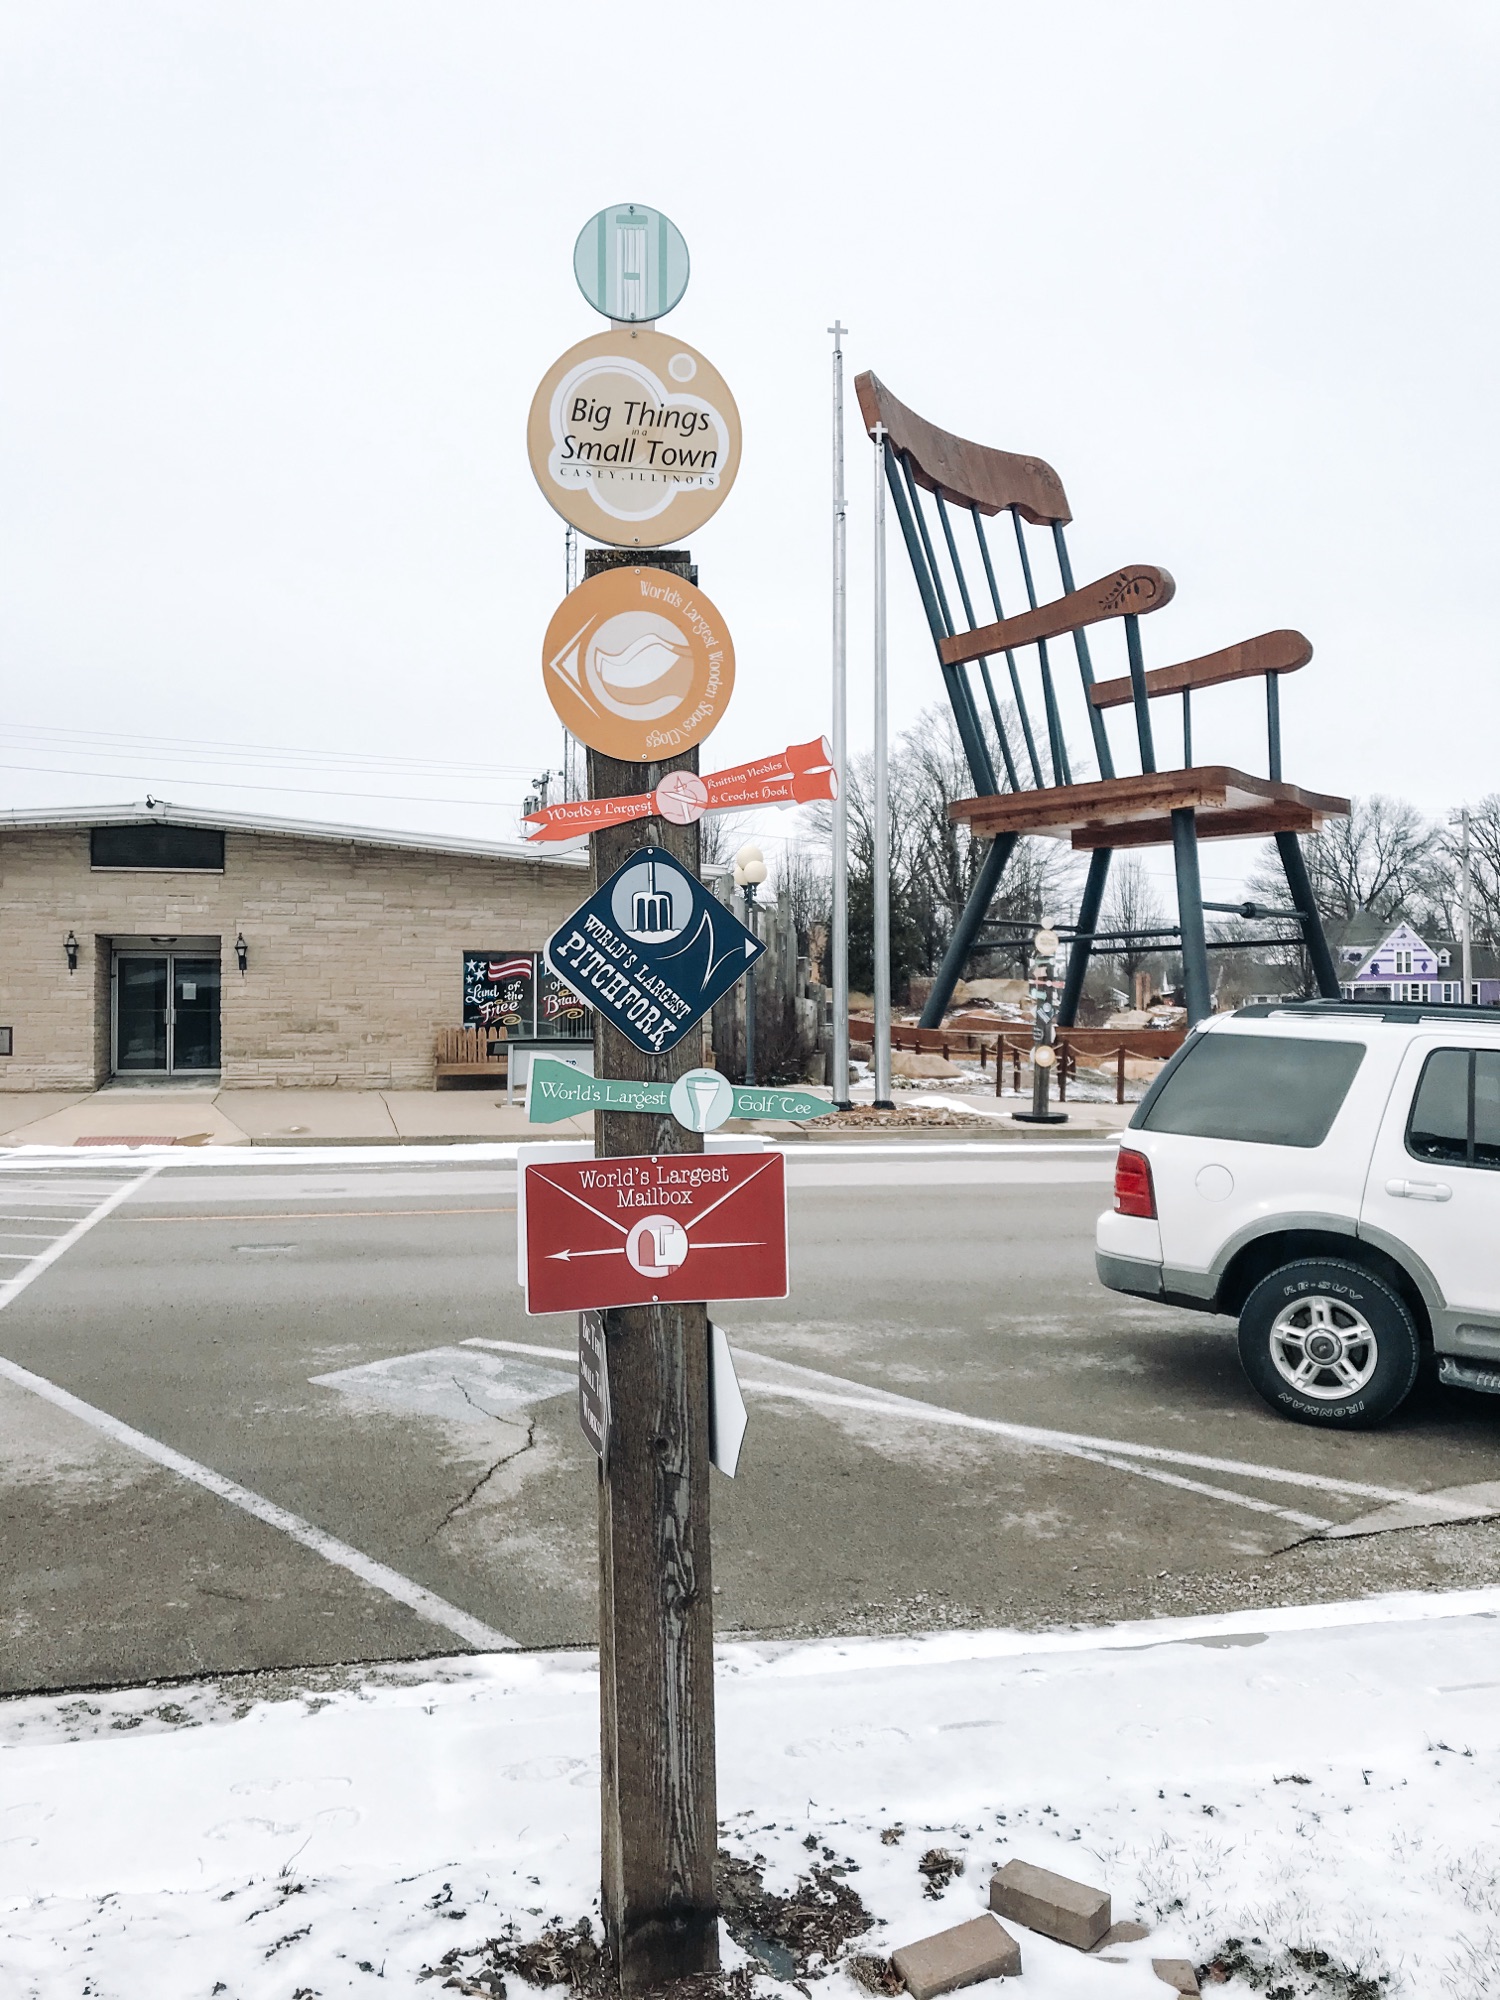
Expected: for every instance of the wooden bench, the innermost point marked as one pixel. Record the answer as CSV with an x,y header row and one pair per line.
x,y
472,1052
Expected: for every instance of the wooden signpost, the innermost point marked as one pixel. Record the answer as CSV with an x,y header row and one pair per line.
x,y
659,1796
635,439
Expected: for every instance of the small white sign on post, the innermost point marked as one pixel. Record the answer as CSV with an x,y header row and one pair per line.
x,y
726,1406
593,1383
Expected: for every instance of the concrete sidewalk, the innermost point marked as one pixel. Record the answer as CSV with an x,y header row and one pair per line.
x,y
202,1115
188,1115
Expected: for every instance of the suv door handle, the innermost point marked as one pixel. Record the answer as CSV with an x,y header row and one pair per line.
x,y
1420,1190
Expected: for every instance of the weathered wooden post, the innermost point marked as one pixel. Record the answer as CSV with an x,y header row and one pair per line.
x,y
634,439
658,1799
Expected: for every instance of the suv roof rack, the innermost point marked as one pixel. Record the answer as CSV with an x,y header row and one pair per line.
x,y
1405,1012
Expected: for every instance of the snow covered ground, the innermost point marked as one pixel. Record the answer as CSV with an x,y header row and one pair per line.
x,y
1322,1778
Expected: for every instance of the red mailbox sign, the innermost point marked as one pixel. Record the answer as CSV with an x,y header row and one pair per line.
x,y
652,1228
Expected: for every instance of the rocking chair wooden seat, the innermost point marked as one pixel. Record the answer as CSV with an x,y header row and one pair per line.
x,y
1137,812
1175,806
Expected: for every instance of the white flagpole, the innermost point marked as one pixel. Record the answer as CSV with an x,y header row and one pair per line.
x,y
1468,899
838,943
881,860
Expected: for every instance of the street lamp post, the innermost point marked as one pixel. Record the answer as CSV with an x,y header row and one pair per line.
x,y
749,873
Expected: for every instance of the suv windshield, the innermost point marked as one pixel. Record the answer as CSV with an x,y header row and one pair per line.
x,y
1271,1090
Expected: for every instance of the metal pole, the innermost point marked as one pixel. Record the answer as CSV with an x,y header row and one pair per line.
x,y
749,893
1198,990
838,942
1467,891
881,858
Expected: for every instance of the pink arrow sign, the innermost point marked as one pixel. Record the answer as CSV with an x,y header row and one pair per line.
x,y
798,775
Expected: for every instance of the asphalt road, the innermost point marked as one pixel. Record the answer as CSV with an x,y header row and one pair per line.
x,y
379,1458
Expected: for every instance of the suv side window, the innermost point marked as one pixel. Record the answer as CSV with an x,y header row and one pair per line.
x,y
1271,1090
1455,1115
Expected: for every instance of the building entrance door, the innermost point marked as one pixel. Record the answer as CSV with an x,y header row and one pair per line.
x,y
166,1014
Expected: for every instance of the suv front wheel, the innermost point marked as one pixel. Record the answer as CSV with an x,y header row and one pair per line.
x,y
1327,1342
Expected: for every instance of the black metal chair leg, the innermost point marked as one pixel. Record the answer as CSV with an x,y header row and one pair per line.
x,y
967,929
1083,944
1195,978
1325,972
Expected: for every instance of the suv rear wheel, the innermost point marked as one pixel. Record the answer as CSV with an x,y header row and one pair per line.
x,y
1327,1342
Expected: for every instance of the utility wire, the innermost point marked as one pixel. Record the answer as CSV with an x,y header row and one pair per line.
x,y
233,785
77,740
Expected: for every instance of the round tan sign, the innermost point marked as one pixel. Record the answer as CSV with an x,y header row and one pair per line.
x,y
638,664
634,438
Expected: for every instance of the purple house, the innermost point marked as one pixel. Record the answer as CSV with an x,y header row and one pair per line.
x,y
1404,966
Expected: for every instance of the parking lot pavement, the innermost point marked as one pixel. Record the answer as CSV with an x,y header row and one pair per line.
x,y
259,1415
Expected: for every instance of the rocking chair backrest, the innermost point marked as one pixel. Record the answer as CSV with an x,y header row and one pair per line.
x,y
921,461
961,573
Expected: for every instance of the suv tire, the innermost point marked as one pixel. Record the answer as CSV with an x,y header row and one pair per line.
x,y
1328,1342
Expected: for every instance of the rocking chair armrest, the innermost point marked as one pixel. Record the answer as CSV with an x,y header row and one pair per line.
x,y
1124,593
1270,653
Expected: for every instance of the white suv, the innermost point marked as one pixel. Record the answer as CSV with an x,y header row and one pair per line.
x,y
1329,1173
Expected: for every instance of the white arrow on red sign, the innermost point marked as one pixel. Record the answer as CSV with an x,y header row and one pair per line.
x,y
798,775
626,1230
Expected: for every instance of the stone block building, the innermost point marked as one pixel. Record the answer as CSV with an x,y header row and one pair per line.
x,y
155,941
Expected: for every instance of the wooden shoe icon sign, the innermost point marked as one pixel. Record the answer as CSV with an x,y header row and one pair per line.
x,y
638,664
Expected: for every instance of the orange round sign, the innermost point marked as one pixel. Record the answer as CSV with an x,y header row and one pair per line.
x,y
634,438
638,664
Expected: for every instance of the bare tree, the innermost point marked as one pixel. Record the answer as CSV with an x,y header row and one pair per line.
x,y
934,859
1132,904
1384,860
1484,870
1039,878
802,879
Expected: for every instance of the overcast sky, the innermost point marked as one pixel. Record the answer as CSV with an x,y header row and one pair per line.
x,y
277,282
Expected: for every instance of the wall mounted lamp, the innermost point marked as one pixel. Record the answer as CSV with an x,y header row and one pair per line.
x,y
70,946
241,952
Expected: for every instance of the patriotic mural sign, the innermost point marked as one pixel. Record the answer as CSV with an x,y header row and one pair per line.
x,y
513,991
500,991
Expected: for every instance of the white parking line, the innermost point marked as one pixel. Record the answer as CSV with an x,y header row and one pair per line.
x,y
12,1288
436,1610
425,1603
1142,1461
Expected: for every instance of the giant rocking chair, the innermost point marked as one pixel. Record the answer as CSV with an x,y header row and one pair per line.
x,y
1176,807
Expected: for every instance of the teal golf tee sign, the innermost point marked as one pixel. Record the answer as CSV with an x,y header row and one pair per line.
x,y
701,1100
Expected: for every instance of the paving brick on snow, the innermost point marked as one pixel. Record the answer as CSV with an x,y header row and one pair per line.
x,y
979,1949
1178,1973
1127,1931
1069,1911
